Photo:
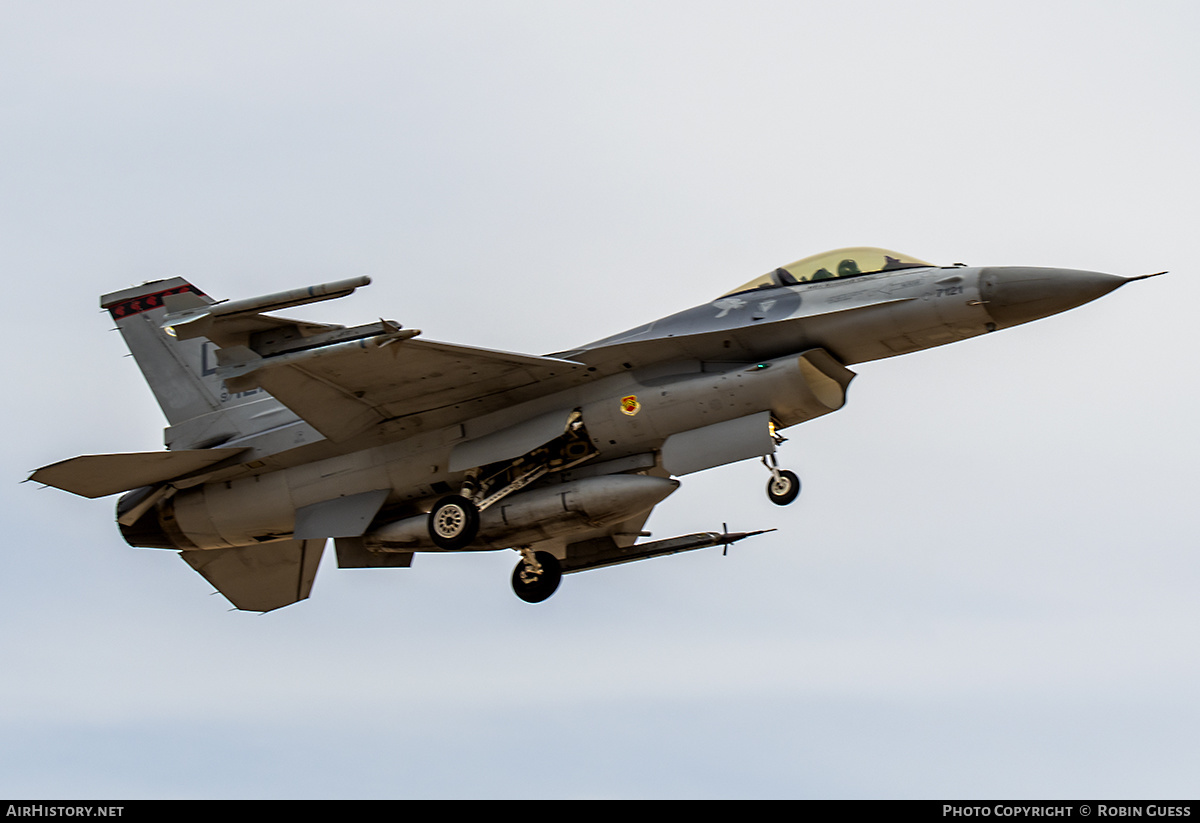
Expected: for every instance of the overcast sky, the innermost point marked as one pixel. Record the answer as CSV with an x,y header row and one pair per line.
x,y
989,585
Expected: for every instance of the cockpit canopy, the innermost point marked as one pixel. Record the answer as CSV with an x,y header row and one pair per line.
x,y
832,265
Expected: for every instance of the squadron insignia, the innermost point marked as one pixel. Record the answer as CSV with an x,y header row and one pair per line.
x,y
630,405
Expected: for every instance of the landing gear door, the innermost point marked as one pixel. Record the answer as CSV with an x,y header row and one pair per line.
x,y
718,444
510,443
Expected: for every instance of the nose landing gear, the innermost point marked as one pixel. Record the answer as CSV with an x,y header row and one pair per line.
x,y
784,485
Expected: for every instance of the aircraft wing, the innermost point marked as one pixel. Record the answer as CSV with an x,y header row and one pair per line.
x,y
344,381
345,388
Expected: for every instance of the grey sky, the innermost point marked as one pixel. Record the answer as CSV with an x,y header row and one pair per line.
x,y
988,587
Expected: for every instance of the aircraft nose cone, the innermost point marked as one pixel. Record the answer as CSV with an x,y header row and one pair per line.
x,y
1015,295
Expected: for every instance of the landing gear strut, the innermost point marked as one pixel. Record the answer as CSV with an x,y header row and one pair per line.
x,y
536,576
784,485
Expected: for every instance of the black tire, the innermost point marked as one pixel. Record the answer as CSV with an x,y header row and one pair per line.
x,y
785,489
545,584
453,523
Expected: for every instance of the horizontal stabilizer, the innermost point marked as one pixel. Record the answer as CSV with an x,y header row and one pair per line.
x,y
98,475
260,578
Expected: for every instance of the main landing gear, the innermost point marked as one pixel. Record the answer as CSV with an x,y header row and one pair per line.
x,y
454,520
784,485
536,576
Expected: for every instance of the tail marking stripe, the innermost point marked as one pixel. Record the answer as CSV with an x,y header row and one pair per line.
x,y
147,302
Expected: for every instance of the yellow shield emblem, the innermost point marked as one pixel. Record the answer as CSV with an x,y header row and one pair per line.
x,y
630,405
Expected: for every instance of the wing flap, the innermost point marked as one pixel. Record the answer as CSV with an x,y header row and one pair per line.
x,y
99,475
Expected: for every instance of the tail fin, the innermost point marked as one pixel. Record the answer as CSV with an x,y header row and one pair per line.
x,y
182,373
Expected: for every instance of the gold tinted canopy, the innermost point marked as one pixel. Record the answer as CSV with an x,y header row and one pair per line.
x,y
831,265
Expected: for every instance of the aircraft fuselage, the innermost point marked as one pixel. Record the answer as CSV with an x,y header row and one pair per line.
x,y
284,433
722,361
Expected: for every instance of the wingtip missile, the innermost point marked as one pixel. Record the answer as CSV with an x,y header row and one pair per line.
x,y
189,316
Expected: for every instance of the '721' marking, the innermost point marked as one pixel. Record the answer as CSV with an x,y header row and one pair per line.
x,y
949,290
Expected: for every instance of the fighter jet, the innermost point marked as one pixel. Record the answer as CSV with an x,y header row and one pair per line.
x,y
283,433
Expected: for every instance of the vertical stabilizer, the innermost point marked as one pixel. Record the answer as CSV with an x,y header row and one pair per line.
x,y
201,411
175,369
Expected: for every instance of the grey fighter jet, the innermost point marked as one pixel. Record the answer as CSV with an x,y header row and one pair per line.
x,y
284,433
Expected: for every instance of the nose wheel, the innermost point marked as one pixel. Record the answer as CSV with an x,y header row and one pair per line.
x,y
784,485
